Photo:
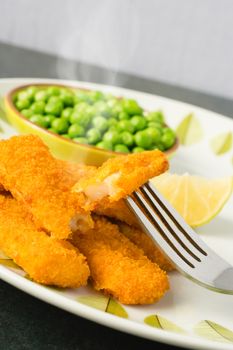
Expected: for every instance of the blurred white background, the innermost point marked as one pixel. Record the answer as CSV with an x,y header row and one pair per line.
x,y
186,43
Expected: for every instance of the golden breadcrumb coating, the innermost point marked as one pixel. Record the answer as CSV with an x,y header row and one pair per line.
x,y
142,240
120,176
118,267
46,260
73,172
118,210
37,180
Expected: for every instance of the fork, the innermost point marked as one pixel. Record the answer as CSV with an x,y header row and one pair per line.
x,y
183,247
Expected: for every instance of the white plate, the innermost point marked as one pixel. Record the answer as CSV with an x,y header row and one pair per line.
x,y
189,315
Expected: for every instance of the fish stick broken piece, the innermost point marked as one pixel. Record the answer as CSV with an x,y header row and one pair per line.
x,y
118,267
46,260
36,180
120,176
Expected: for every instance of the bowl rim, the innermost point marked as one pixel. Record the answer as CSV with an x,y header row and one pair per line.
x,y
9,100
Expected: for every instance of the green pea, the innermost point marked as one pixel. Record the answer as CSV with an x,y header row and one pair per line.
x,y
138,122
90,111
116,110
96,95
156,116
54,99
127,138
23,95
81,140
154,134
82,96
112,102
100,123
38,120
65,136
112,122
60,125
67,99
125,125
27,113
123,116
131,107
169,131
105,145
81,107
93,136
66,113
80,118
142,139
138,149
22,104
76,130
167,140
156,125
41,95
103,109
54,108
38,107
49,119
53,91
112,136
121,148
31,91
15,98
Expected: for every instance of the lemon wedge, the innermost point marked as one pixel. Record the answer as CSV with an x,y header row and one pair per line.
x,y
197,199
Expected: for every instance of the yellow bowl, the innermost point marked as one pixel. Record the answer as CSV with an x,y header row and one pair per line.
x,y
60,147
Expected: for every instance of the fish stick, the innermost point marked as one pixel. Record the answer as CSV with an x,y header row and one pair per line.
x,y
37,181
120,176
142,240
46,260
119,210
118,267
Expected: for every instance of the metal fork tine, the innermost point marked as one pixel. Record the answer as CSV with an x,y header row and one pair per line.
x,y
167,221
153,232
153,211
177,219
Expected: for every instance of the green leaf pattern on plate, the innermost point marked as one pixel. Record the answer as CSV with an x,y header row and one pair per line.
x,y
221,143
158,321
214,331
115,308
103,303
189,131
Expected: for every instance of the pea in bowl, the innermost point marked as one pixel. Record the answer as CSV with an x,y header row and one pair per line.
x,y
87,126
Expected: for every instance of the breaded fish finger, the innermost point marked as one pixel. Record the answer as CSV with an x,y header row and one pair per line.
x,y
36,180
46,260
120,176
118,267
142,240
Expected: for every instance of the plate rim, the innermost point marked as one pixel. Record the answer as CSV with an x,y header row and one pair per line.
x,y
129,326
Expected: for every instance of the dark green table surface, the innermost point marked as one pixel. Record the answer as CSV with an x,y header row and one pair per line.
x,y
25,322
